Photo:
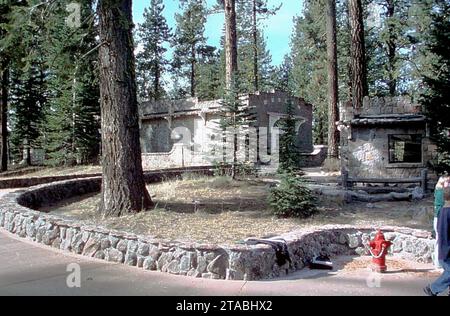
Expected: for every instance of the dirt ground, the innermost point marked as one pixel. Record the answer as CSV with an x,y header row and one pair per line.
x,y
219,210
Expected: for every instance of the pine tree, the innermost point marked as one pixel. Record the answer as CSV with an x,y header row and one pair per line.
x,y
8,53
289,153
437,94
24,43
188,39
73,115
281,78
358,53
123,186
236,118
152,63
309,58
210,83
333,85
255,61
28,101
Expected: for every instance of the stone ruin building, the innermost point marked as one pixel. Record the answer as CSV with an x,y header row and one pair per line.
x,y
198,122
386,142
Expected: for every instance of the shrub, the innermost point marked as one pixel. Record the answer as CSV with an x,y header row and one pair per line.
x,y
291,198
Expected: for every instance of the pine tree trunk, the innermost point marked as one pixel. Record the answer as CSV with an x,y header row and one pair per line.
x,y
358,53
123,186
255,48
333,92
230,41
156,83
391,50
193,62
4,117
28,160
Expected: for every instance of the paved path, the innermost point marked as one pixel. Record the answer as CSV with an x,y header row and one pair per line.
x,y
30,269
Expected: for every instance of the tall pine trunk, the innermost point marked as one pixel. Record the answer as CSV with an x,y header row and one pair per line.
x,y
391,49
193,62
358,53
123,186
4,116
255,47
333,92
230,41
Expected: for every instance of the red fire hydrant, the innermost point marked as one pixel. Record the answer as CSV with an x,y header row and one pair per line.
x,y
379,248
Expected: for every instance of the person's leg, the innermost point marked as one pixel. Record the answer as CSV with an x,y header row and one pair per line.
x,y
437,264
443,283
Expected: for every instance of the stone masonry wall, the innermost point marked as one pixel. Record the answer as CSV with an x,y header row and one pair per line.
x,y
231,262
365,137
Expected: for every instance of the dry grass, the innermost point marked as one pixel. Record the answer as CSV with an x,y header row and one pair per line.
x,y
219,210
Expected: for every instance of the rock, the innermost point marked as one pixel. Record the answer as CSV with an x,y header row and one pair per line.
x,y
105,244
164,260
354,240
92,246
418,194
56,243
31,230
140,261
77,244
132,246
201,265
211,276
173,267
194,273
100,255
114,255
149,264
188,261
219,265
114,241
155,253
361,251
234,275
342,239
122,246
143,249
131,259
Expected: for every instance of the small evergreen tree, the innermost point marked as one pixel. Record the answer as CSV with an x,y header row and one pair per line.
x,y
291,198
236,118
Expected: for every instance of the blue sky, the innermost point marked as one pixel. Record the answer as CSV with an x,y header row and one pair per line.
x,y
278,29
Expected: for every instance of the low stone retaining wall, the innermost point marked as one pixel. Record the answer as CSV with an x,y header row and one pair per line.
x,y
231,262
34,181
30,182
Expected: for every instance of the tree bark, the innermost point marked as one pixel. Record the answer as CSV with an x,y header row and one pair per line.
x,y
358,53
230,41
123,186
193,62
391,48
4,115
255,47
333,89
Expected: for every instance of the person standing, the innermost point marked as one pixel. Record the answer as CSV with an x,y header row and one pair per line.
x,y
438,205
443,283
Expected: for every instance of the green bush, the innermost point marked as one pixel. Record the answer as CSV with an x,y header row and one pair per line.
x,y
291,198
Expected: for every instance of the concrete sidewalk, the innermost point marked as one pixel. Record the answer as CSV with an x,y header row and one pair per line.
x,y
30,269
